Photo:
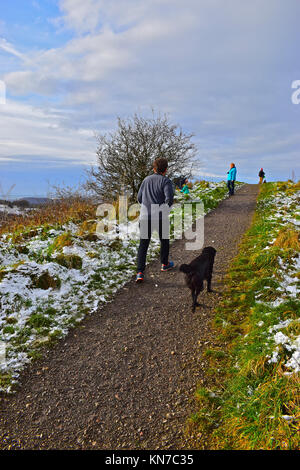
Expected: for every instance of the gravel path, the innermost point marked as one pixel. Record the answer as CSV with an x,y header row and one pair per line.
x,y
125,379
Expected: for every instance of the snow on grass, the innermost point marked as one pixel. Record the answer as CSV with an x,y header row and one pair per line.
x,y
47,288
15,210
283,213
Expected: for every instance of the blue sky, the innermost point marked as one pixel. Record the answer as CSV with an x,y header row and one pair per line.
x,y
221,70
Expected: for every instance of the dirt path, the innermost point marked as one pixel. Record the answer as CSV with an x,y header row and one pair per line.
x,y
125,379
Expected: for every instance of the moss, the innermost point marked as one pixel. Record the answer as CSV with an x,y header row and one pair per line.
x,y
91,237
55,335
69,261
45,281
214,353
5,380
116,244
35,355
11,320
9,329
60,242
22,249
51,311
38,320
92,254
3,274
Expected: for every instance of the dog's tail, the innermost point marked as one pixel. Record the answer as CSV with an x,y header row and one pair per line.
x,y
186,268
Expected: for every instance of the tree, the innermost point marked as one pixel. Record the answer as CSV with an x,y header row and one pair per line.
x,y
126,156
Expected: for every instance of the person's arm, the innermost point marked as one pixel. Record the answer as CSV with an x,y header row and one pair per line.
x,y
169,193
140,193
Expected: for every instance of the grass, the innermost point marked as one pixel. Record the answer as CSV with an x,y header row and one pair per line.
x,y
55,214
253,398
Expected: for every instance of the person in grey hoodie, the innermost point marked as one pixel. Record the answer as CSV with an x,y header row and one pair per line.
x,y
156,196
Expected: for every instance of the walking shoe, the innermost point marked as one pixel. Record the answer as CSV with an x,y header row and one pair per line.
x,y
166,267
139,277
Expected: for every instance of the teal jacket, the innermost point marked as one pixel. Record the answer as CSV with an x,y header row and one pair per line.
x,y
185,189
231,174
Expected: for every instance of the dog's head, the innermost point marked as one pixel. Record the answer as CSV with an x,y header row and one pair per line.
x,y
209,250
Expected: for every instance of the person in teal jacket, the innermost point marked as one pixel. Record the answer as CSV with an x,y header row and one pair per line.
x,y
185,189
231,177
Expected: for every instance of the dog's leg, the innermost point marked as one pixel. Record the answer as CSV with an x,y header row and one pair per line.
x,y
194,297
195,303
209,289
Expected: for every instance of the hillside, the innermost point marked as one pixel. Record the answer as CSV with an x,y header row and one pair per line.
x,y
252,401
143,372
125,378
54,272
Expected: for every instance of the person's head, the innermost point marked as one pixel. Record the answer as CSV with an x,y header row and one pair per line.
x,y
232,165
160,166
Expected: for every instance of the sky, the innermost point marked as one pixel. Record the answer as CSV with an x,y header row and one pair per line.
x,y
221,69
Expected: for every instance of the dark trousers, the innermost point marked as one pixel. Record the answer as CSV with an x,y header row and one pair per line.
x,y
144,245
230,185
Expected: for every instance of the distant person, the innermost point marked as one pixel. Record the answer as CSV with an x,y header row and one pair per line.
x,y
261,175
156,196
179,182
231,177
185,188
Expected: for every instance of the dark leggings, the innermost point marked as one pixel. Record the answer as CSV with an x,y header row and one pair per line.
x,y
144,245
230,185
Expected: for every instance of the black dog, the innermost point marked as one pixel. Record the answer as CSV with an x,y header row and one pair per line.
x,y
197,271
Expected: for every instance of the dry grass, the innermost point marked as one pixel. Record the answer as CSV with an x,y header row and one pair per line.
x,y
53,214
288,238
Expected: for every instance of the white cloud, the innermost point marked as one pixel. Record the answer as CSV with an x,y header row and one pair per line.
x,y
27,130
221,69
10,49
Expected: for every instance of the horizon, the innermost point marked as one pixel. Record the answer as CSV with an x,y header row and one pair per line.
x,y
17,197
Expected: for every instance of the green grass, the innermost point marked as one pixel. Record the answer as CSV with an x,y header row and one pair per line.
x,y
257,399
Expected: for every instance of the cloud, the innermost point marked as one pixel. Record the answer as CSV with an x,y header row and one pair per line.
x,y
88,16
10,49
221,70
27,130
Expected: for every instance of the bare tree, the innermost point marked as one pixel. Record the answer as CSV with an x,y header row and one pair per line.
x,y
70,194
126,156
